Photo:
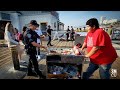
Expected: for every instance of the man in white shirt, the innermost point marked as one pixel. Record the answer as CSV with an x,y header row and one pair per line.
x,y
39,41
56,36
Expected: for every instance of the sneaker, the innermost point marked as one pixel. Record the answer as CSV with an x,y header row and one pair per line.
x,y
22,61
39,57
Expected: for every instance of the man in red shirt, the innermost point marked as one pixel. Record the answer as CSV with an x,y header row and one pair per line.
x,y
100,50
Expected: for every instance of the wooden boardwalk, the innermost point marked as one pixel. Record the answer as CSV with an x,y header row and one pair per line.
x,y
69,44
7,71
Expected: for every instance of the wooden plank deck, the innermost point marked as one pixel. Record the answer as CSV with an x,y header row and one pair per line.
x,y
60,44
6,68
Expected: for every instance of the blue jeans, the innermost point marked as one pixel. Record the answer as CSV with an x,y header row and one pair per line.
x,y
103,71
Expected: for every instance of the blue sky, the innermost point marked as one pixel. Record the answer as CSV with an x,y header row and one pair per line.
x,y
79,18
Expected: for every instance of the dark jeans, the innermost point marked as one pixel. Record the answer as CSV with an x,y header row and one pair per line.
x,y
72,37
67,36
38,51
33,63
49,41
103,71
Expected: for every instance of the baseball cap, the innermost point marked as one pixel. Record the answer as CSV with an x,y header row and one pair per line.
x,y
49,26
34,22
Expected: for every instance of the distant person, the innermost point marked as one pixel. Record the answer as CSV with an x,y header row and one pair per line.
x,y
39,40
100,50
77,30
72,34
109,31
24,30
56,35
20,51
67,33
49,30
80,29
17,34
84,28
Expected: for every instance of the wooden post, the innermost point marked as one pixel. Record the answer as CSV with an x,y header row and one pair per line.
x,y
15,59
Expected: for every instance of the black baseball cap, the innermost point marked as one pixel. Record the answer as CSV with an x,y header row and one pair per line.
x,y
49,26
34,22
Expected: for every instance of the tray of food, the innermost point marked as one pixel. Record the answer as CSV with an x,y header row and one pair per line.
x,y
62,51
66,54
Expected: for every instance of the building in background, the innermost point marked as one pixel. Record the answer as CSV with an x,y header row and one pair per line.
x,y
102,19
110,21
61,26
22,18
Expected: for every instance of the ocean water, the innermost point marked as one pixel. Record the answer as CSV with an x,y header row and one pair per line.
x,y
63,32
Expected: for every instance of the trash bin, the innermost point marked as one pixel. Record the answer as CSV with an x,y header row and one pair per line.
x,y
63,62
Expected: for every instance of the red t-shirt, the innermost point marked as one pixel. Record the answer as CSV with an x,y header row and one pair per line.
x,y
106,54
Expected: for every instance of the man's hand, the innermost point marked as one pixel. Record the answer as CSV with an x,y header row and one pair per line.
x,y
45,49
49,35
7,23
86,56
83,46
93,51
42,36
81,49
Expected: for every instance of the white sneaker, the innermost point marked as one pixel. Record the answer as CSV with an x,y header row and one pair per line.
x,y
39,57
22,61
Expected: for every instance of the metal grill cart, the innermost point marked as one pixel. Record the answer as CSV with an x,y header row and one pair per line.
x,y
67,66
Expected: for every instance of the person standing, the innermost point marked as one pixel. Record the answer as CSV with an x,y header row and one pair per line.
x,y
30,46
109,31
9,35
67,33
39,40
100,50
12,40
56,36
49,30
23,33
72,34
20,51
